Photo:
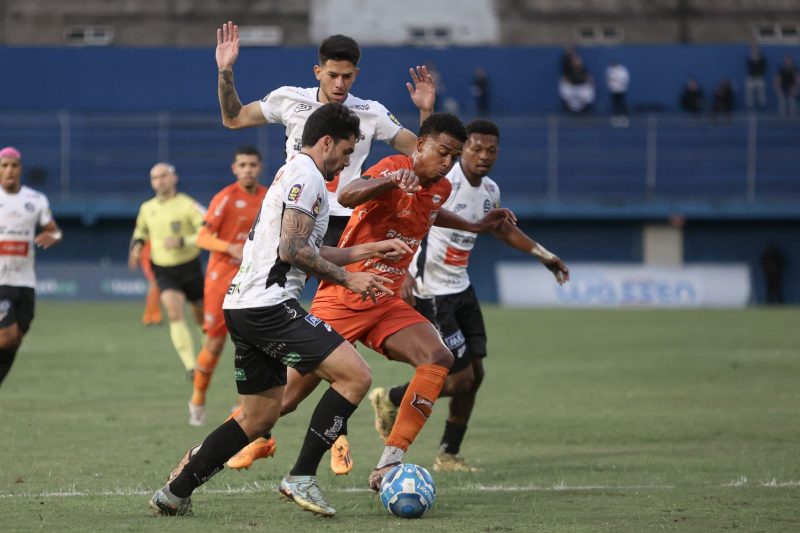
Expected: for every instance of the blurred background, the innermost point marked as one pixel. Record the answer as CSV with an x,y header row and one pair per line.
x,y
654,145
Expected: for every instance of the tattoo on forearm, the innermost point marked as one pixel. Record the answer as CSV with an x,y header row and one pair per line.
x,y
295,230
228,99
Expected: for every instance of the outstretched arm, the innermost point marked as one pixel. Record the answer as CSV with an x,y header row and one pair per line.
x,y
296,227
390,249
514,237
234,115
490,222
49,235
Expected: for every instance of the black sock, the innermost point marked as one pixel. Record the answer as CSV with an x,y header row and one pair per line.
x,y
6,360
453,435
396,394
327,423
220,445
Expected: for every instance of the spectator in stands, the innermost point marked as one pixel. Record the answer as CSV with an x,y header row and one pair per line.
x,y
480,91
617,80
773,263
723,101
786,85
576,88
692,99
754,84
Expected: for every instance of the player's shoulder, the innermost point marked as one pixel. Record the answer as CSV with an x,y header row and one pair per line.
x,y
490,185
395,162
290,92
363,106
32,194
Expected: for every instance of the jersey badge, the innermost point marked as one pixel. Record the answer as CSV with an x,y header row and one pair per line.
x,y
437,199
176,226
295,192
29,207
241,204
487,206
393,119
316,207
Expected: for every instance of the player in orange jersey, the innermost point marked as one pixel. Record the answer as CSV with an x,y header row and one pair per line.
x,y
401,198
152,308
226,226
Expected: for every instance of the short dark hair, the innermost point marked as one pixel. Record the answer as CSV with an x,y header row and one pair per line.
x,y
247,149
443,123
332,119
483,126
339,48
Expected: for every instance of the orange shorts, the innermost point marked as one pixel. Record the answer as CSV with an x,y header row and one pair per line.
x,y
213,319
370,326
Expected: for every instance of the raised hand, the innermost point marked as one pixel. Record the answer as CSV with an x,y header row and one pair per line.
x,y
423,90
405,180
227,46
558,268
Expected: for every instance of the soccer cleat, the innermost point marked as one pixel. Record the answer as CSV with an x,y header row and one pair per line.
x,y
183,462
448,462
376,477
385,411
165,503
260,448
341,463
197,414
304,491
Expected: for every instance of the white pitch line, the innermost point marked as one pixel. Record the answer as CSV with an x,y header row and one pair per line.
x,y
255,488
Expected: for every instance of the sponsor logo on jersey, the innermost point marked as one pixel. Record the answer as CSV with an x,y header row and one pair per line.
x,y
295,192
315,209
455,340
393,119
234,288
437,199
241,204
298,144
19,248
299,108
456,257
423,405
487,206
360,107
410,241
464,240
459,207
314,321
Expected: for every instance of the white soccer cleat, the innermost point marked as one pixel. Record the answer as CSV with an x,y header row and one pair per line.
x,y
197,414
165,503
304,491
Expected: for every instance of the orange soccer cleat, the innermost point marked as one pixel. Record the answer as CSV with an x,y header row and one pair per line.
x,y
260,448
341,463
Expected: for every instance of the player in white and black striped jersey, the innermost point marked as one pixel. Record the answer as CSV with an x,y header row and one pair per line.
x,y
439,283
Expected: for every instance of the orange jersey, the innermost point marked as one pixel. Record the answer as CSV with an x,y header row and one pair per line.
x,y
393,214
230,216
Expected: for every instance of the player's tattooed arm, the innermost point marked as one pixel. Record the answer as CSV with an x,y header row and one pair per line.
x,y
234,114
296,228
229,101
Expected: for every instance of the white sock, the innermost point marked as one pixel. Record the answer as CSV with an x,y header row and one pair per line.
x,y
391,455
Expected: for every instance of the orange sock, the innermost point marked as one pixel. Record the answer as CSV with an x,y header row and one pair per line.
x,y
417,405
203,370
152,309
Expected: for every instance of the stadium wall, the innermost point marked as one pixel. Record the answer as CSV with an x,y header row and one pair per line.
x,y
596,241
523,79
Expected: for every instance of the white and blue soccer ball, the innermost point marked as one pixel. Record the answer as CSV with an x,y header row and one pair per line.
x,y
408,491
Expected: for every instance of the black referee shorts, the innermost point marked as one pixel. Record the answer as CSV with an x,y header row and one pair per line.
x,y
186,278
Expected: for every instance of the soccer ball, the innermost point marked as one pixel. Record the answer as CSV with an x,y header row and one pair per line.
x,y
408,491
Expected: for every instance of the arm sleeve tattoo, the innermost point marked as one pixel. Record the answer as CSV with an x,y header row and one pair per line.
x,y
296,228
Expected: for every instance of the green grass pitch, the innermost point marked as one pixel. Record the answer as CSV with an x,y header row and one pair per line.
x,y
587,421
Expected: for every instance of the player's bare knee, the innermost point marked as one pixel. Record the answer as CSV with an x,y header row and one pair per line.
x,y
441,357
289,405
10,338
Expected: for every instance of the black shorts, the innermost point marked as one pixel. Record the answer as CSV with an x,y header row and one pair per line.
x,y
17,306
186,278
459,319
336,225
268,339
